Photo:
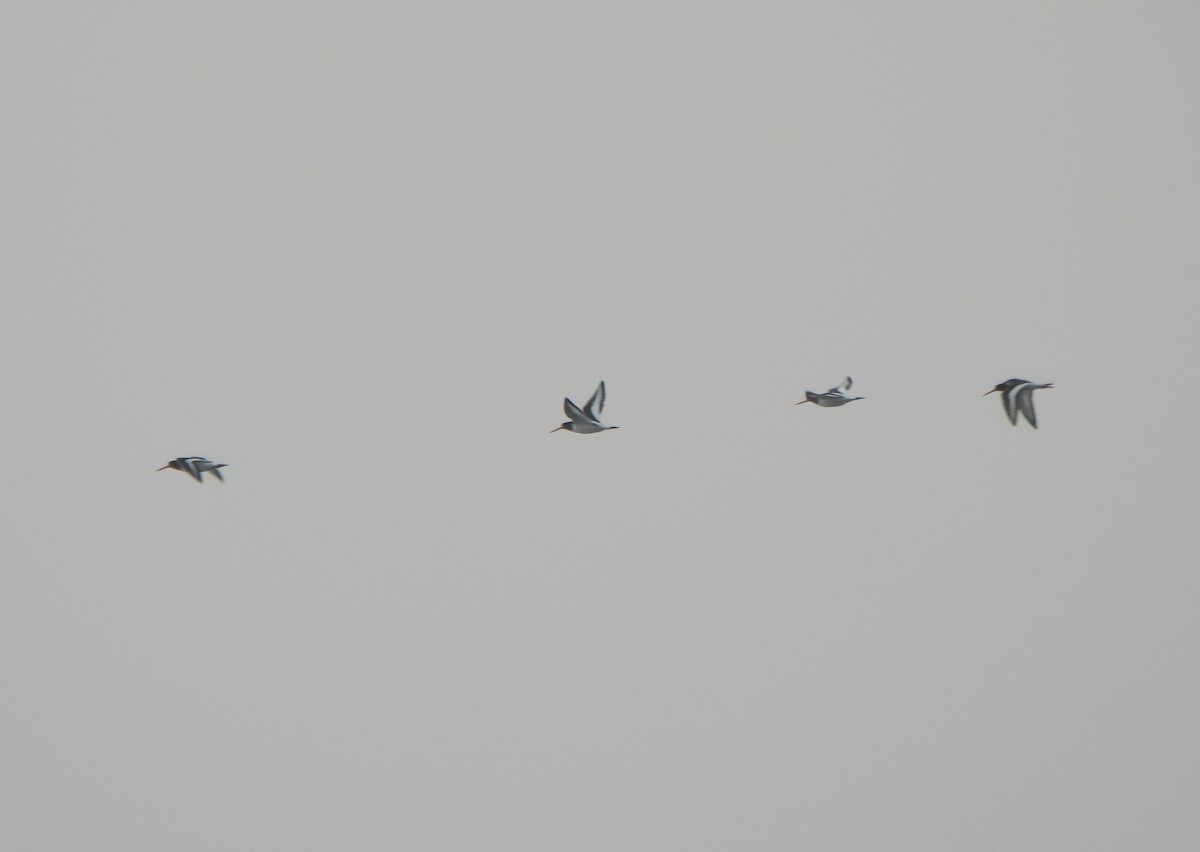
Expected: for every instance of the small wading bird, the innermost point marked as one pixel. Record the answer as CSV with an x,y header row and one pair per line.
x,y
832,397
1017,396
587,420
194,466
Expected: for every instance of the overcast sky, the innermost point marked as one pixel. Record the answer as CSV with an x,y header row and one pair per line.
x,y
360,252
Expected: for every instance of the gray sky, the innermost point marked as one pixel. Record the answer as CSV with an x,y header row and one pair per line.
x,y
361,253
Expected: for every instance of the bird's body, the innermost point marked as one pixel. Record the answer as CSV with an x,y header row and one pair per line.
x,y
586,420
1017,397
195,467
832,397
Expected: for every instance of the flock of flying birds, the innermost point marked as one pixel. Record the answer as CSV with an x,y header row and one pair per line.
x,y
1015,394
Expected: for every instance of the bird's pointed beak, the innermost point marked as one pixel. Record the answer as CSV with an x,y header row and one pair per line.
x,y
164,467
556,428
993,390
801,402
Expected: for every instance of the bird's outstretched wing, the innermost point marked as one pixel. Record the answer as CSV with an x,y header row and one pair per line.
x,y
841,389
1009,398
573,413
595,405
1024,404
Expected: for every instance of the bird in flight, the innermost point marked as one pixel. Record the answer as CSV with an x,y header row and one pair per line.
x,y
588,419
832,397
195,467
1017,397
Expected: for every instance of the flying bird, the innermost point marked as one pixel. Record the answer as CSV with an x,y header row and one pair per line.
x,y
587,420
832,397
195,467
1017,396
